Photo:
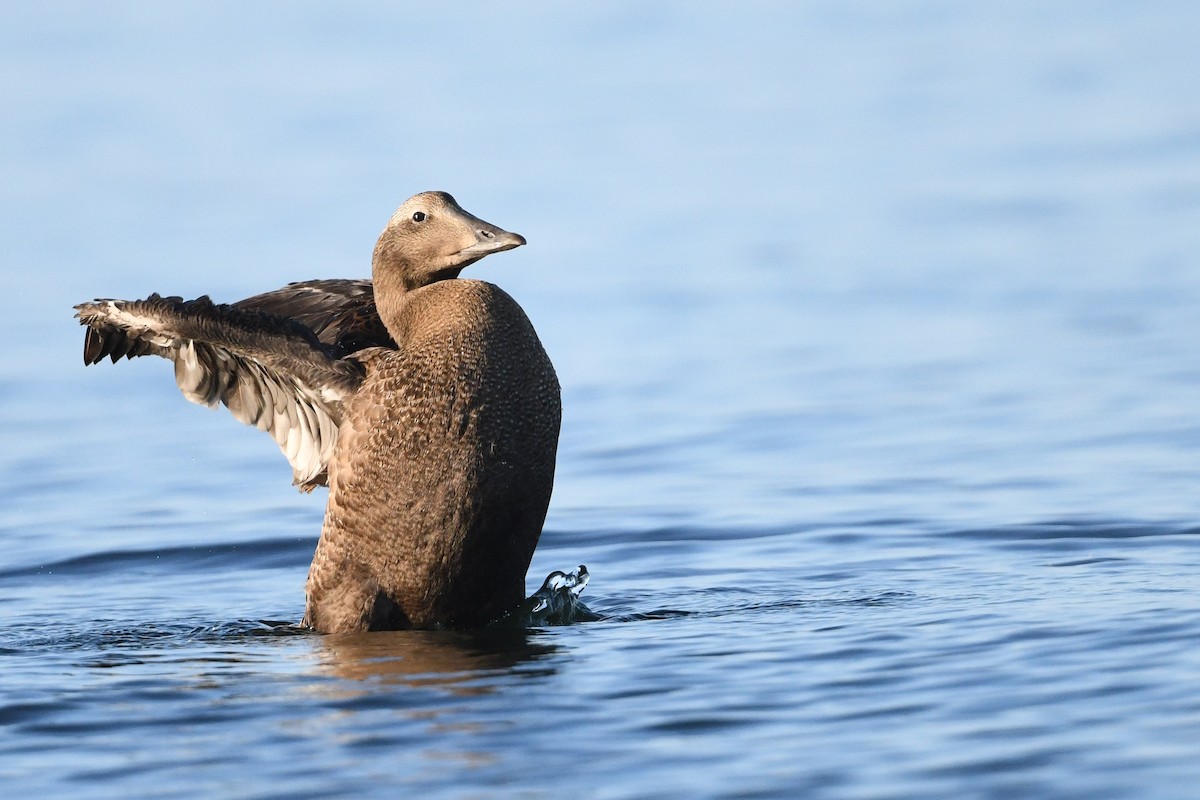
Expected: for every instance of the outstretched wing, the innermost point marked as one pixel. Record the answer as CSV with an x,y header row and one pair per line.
x,y
341,313
270,371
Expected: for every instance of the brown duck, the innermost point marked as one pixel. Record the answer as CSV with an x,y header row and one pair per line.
x,y
426,404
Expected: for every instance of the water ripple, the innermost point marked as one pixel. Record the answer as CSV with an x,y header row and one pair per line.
x,y
262,554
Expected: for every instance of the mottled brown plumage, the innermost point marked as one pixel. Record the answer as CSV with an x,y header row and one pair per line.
x,y
427,404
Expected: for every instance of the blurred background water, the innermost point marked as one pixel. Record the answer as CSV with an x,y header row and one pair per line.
x,y
876,324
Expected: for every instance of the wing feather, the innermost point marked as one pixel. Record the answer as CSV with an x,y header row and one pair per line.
x,y
270,371
341,313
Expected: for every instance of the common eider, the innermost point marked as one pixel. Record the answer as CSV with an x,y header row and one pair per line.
x,y
425,402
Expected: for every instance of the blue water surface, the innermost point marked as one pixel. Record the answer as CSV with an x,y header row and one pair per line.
x,y
877,326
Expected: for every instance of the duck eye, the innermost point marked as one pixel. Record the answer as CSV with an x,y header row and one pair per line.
x,y
419,216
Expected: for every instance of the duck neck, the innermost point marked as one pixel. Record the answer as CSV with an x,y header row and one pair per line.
x,y
395,282
392,290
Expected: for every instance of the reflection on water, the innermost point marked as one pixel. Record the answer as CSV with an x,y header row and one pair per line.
x,y
431,658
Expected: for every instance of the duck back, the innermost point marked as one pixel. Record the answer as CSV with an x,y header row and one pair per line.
x,y
443,469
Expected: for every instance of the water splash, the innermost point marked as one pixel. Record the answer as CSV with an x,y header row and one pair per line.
x,y
556,602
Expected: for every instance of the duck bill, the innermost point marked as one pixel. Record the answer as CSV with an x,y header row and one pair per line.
x,y
490,239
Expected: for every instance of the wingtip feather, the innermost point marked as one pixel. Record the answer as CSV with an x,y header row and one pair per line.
x,y
93,347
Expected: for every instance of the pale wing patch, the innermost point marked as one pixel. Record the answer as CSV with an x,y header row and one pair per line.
x,y
138,326
273,378
295,415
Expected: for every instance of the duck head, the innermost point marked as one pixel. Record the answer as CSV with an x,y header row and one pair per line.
x,y
431,238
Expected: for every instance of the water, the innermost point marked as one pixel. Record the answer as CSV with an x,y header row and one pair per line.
x,y
876,325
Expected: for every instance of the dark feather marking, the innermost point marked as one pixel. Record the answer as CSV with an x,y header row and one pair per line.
x,y
340,312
